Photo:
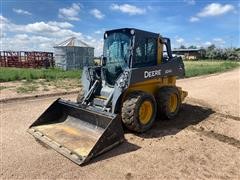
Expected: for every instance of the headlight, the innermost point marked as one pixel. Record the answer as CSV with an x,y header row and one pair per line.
x,y
105,35
122,83
132,31
123,79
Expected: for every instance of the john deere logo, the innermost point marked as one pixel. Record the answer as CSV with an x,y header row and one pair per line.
x,y
149,74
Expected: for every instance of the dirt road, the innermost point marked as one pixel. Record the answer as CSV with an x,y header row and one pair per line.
x,y
220,91
202,142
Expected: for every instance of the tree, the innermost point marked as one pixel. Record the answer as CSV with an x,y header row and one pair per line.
x,y
223,53
210,52
211,47
182,47
192,47
233,54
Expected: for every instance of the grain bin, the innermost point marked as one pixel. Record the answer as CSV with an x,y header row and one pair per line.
x,y
73,54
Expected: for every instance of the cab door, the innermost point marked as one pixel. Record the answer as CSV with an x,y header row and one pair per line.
x,y
145,52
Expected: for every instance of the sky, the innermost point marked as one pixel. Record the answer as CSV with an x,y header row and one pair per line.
x,y
40,24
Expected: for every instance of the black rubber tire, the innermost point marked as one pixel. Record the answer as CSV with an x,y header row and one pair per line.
x,y
80,96
163,100
130,111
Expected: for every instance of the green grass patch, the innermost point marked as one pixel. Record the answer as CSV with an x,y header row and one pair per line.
x,y
202,67
27,88
13,74
193,68
2,87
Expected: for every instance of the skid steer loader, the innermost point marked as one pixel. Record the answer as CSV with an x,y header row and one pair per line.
x,y
135,84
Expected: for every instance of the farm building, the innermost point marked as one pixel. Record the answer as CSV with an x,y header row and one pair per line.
x,y
73,54
190,54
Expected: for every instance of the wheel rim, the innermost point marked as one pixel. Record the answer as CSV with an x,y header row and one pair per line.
x,y
172,104
145,112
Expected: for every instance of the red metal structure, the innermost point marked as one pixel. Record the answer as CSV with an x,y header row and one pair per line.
x,y
26,59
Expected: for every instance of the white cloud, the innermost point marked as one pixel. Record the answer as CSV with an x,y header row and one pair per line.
x,y
70,13
2,34
41,36
98,32
198,42
66,33
4,24
180,40
21,36
127,8
207,43
89,37
51,28
191,2
60,24
97,14
21,11
3,19
28,43
194,19
219,41
39,27
98,46
31,36
215,9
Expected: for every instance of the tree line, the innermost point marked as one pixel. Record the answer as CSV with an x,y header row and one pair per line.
x,y
212,52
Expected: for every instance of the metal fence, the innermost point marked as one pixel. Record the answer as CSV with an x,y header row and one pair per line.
x,y
26,59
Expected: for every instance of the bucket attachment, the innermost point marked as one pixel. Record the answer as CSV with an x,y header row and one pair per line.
x,y
77,132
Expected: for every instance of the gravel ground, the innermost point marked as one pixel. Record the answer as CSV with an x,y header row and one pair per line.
x,y
220,91
23,88
202,142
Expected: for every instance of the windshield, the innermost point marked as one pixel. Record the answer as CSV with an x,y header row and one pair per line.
x,y
116,51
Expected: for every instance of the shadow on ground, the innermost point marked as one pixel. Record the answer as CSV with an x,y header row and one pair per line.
x,y
123,148
188,115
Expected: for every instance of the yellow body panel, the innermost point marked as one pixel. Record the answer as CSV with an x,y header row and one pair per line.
x,y
152,86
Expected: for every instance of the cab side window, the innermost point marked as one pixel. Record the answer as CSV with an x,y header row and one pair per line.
x,y
140,54
151,50
145,53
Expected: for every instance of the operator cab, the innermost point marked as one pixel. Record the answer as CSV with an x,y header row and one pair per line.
x,y
130,48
